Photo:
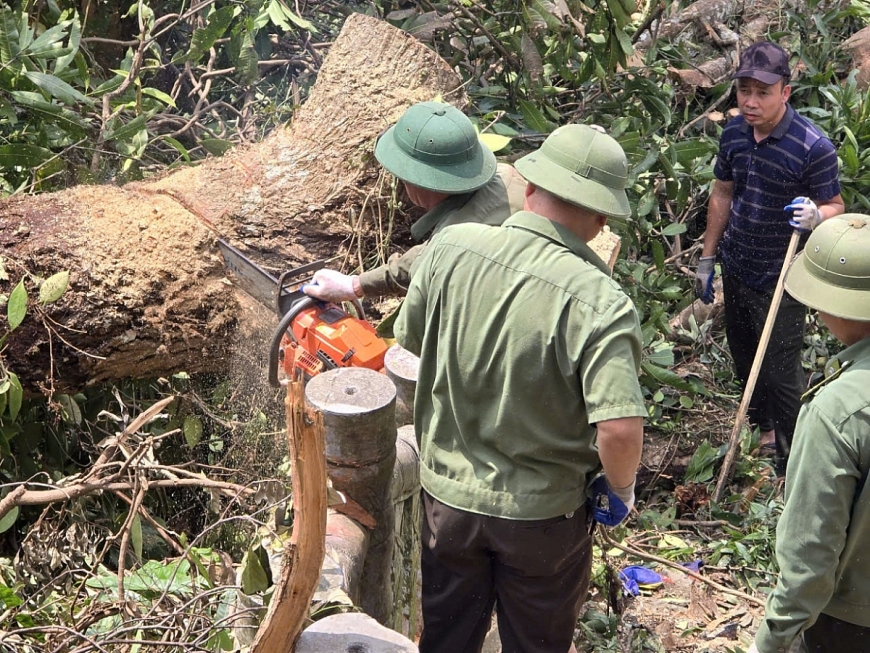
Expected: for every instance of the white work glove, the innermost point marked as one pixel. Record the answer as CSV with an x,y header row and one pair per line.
x,y
331,286
704,279
610,505
806,215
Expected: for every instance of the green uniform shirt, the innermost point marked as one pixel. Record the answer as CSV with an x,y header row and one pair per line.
x,y
525,342
494,203
823,536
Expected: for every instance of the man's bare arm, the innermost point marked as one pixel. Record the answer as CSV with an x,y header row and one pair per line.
x,y
620,442
718,210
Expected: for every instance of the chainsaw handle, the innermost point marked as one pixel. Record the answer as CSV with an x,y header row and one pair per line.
x,y
284,326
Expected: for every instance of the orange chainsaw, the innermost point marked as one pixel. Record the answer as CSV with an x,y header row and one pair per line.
x,y
312,336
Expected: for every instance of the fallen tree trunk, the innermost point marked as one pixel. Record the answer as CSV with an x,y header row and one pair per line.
x,y
148,293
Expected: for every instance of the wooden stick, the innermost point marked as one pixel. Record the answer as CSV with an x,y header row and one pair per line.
x,y
728,463
675,565
304,553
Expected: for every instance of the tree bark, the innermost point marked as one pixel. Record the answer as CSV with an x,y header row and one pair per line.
x,y
148,293
303,557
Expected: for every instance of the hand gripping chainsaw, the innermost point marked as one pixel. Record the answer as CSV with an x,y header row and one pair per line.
x,y
312,336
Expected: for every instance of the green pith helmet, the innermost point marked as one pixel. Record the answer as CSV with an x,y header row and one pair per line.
x,y
832,274
434,146
582,166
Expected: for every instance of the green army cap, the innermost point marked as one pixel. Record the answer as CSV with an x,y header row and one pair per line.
x,y
582,166
434,146
832,274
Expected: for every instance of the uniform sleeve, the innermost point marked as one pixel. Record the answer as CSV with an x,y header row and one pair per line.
x,y
822,477
391,278
411,322
823,173
609,366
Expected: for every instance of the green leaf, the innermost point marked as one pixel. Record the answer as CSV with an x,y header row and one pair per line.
x,y
136,535
16,308
54,287
75,39
22,155
534,118
254,578
658,252
661,355
16,396
700,467
687,151
178,146
3,400
216,146
192,430
686,401
204,37
44,45
57,88
247,69
674,228
157,94
8,36
56,113
8,519
494,142
666,377
125,130
71,413
280,14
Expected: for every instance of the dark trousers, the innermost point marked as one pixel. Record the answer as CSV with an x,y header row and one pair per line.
x,y
830,635
776,401
535,572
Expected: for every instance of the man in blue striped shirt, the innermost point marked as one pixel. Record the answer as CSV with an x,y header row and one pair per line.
x,y
769,158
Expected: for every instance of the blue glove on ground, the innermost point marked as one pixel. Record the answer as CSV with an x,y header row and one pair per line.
x,y
610,507
704,279
806,215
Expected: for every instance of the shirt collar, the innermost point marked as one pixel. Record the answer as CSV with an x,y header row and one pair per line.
x,y
779,131
854,352
558,234
422,227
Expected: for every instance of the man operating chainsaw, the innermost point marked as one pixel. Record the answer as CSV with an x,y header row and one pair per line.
x,y
527,387
434,150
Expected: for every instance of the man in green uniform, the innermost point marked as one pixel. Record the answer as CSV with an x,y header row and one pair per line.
x,y
823,537
434,150
527,387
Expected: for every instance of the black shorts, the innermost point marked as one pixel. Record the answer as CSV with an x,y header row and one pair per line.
x,y
536,573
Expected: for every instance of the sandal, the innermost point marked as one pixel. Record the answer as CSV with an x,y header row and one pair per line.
x,y
767,450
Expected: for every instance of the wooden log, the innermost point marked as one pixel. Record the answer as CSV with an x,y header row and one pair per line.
x,y
303,555
401,367
359,414
148,293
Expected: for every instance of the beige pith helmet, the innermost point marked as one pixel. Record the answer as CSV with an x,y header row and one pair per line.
x,y
583,166
832,274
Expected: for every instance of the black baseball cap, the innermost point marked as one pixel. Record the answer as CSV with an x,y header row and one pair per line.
x,y
765,62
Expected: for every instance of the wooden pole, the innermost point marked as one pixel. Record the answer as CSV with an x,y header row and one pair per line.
x,y
303,554
728,464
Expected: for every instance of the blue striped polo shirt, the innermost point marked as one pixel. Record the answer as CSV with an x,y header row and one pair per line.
x,y
796,159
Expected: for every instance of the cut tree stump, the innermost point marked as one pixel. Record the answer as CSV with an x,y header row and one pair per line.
x,y
303,555
148,293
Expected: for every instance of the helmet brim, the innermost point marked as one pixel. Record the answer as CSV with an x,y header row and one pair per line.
x,y
574,188
804,285
453,179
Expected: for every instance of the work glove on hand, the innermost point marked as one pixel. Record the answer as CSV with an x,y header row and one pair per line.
x,y
330,286
610,506
806,215
704,279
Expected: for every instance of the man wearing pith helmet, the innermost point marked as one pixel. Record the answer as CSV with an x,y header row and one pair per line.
x,y
822,596
527,389
434,150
